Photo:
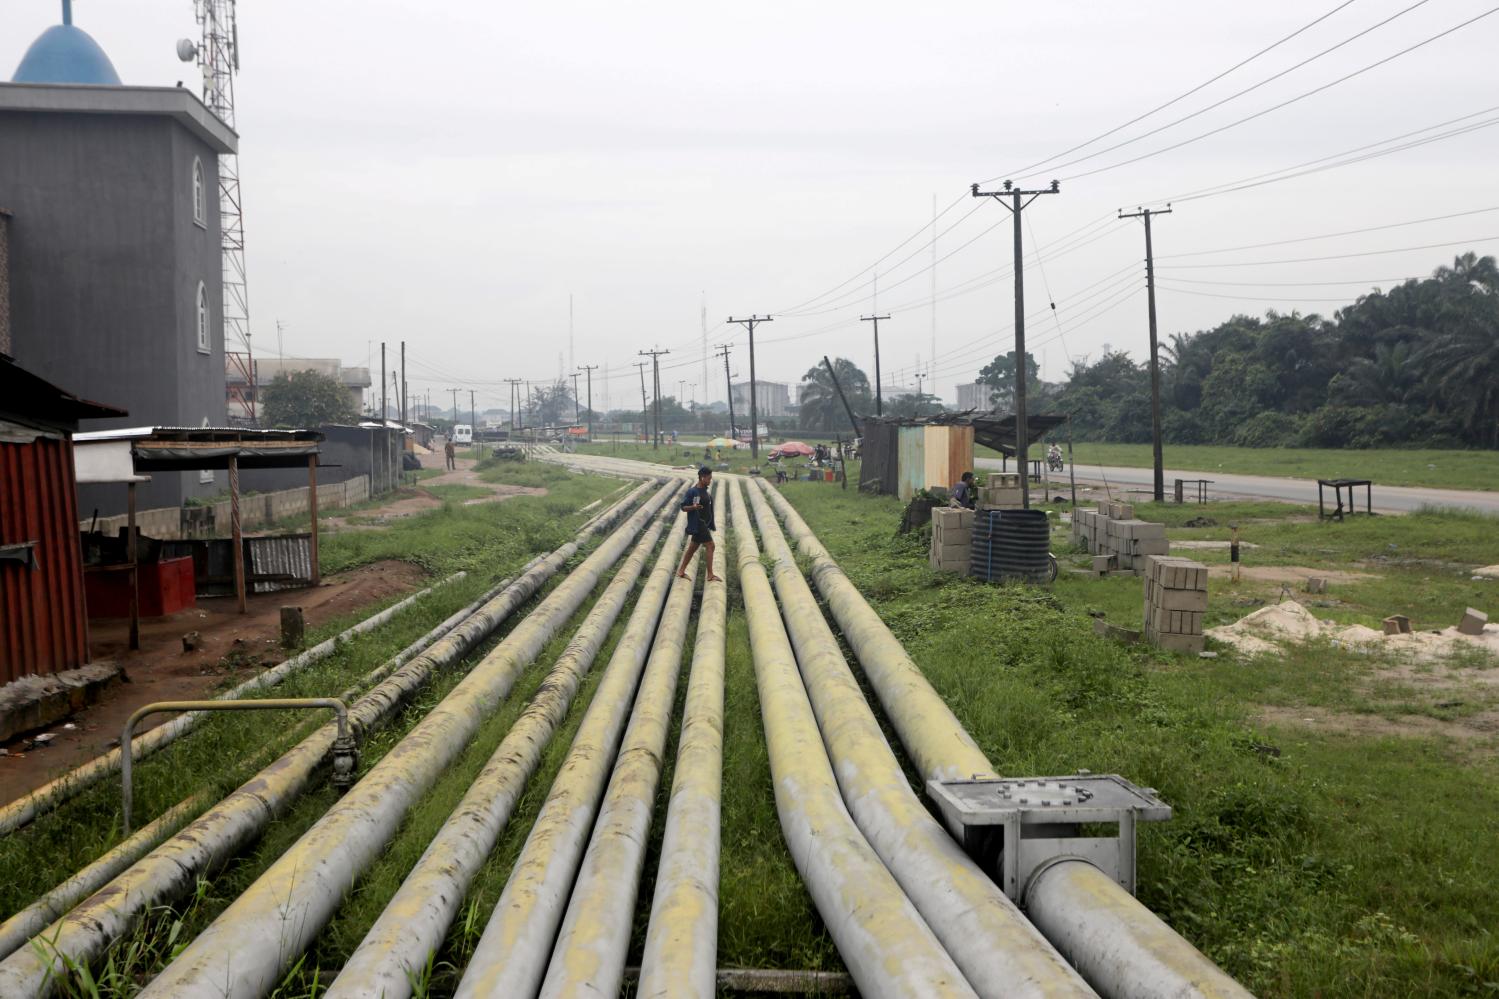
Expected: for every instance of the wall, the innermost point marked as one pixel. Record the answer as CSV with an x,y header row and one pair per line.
x,y
105,264
346,453
43,623
4,282
257,511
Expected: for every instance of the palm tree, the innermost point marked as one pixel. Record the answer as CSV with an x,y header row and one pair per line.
x,y
821,407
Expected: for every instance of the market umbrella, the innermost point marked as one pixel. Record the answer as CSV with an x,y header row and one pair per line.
x,y
795,447
722,442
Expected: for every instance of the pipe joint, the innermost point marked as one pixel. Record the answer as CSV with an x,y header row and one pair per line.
x,y
345,762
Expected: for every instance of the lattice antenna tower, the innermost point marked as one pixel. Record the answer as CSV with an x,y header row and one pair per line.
x,y
217,55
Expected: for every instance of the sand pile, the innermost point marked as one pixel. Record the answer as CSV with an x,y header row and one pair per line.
x,y
1266,629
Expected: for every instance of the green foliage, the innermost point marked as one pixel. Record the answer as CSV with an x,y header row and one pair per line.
x,y
1417,365
821,408
305,399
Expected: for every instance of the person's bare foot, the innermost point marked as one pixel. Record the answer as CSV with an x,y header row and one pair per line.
x,y
681,575
715,579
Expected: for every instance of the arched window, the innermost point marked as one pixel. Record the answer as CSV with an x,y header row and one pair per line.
x,y
203,335
200,195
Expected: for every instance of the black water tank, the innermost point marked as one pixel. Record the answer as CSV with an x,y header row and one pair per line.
x,y
1010,544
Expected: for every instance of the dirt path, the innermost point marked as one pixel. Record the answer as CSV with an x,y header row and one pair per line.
x,y
231,648
409,502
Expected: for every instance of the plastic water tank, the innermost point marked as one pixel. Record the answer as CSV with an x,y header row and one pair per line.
x,y
1010,544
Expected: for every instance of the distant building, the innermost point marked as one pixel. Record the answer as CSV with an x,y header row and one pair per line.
x,y
115,274
239,395
771,399
896,391
974,395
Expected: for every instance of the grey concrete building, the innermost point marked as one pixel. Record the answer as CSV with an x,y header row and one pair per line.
x,y
974,395
355,380
771,399
115,267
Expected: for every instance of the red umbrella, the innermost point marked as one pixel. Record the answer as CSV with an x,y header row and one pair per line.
x,y
795,447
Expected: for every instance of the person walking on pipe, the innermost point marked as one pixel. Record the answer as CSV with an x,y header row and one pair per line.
x,y
698,504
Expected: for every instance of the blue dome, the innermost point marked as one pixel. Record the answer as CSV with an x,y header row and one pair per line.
x,y
66,54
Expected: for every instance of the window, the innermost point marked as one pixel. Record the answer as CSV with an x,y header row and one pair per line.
x,y
203,333
200,195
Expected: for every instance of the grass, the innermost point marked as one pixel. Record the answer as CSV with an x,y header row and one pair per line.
x,y
1348,865
1442,469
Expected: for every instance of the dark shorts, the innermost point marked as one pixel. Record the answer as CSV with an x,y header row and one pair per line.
x,y
702,536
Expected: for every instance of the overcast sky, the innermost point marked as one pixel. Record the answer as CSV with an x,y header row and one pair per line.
x,y
451,174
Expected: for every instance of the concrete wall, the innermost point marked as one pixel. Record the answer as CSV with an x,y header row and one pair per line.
x,y
257,511
4,282
346,453
106,258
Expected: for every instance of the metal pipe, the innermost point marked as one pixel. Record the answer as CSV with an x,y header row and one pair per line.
x,y
681,942
932,735
512,953
246,949
887,946
345,753
1118,944
1161,963
31,920
171,870
416,918
47,797
589,955
998,951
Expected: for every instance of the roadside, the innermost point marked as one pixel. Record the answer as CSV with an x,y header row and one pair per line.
x,y
463,484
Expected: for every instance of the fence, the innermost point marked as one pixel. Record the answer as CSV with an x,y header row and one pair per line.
x,y
257,510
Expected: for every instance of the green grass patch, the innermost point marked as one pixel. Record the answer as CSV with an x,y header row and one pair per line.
x,y
455,492
1445,469
1348,865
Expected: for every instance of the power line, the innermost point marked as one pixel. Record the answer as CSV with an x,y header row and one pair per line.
x,y
1337,256
1025,171
1289,101
1331,235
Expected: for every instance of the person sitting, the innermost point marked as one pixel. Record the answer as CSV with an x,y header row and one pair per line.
x,y
964,494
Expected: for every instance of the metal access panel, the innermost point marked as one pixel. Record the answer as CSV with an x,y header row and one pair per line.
x,y
1015,826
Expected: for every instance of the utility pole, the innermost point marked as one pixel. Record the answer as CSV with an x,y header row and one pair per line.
x,y
645,417
879,406
473,413
514,383
1022,432
588,372
853,421
655,356
455,404
1155,360
919,376
728,386
750,324
576,416
403,383
382,383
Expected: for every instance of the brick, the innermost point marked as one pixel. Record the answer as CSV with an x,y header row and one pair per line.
x,y
1397,624
1150,546
1472,622
1178,643
1182,600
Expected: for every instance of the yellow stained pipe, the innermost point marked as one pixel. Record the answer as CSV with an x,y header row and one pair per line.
x,y
171,869
411,928
589,955
243,952
511,956
931,734
999,952
888,948
1120,946
681,942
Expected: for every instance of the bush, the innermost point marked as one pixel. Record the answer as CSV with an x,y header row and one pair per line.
x,y
1268,430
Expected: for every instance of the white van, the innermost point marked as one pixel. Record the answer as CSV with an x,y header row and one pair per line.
x,y
463,433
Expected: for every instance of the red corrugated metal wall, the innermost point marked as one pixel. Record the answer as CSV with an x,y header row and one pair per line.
x,y
43,620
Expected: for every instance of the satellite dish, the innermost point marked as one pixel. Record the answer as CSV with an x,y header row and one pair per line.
x,y
186,50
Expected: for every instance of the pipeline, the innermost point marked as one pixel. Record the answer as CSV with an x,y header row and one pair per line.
x,y
412,926
31,920
589,955
998,951
888,948
243,952
512,953
1124,948
681,942
54,793
171,869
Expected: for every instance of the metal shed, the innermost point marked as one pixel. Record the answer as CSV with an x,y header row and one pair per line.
x,y
43,618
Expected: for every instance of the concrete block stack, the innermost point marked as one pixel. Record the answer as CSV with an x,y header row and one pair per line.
x,y
952,535
1176,597
1000,491
1113,530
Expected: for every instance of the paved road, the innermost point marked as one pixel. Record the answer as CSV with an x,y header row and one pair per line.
x,y
1387,499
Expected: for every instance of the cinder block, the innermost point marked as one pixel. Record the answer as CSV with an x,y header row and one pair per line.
x,y
1178,643
1182,600
1397,624
1151,546
1316,584
1472,622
